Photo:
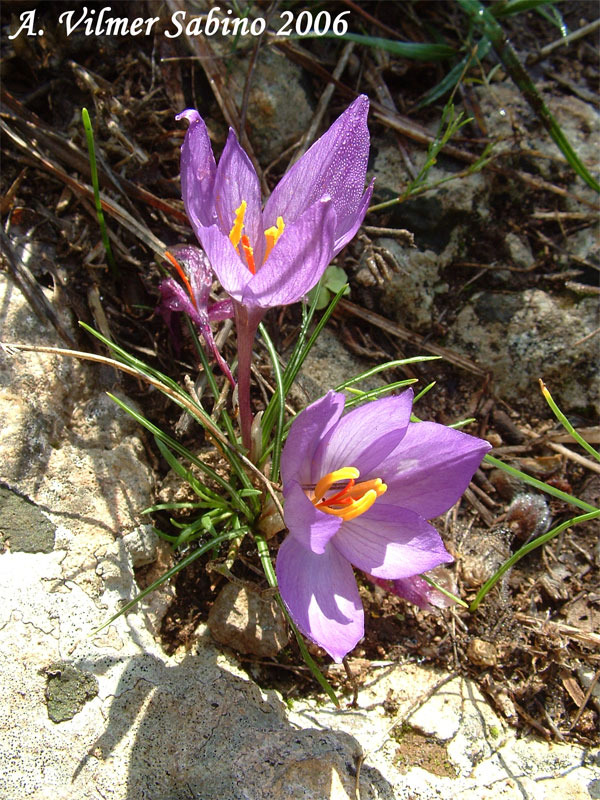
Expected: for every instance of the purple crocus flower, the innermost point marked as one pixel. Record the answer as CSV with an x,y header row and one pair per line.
x,y
358,491
198,277
274,256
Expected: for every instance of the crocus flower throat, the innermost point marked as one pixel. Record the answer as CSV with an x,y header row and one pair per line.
x,y
237,238
353,499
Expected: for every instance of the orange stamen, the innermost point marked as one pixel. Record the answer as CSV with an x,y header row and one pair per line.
x,y
249,253
183,276
351,501
337,499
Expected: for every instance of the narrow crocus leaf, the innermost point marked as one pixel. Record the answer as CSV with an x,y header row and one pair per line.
x,y
364,474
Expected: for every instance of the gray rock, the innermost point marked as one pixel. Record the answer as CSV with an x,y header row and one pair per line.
x,y
248,622
328,365
523,337
142,545
23,526
408,295
279,110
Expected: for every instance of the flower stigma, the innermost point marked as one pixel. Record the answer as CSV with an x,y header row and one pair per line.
x,y
236,237
351,500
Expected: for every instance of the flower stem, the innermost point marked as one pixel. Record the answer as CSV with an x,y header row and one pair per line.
x,y
246,323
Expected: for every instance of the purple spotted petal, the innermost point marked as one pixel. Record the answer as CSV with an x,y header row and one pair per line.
x,y
321,595
236,180
297,261
305,434
310,527
198,170
364,437
335,166
391,542
431,468
350,225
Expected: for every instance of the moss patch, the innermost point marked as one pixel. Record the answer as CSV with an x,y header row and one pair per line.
x,y
416,750
68,690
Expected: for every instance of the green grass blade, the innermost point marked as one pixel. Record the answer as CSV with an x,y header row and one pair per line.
x,y
565,422
482,17
183,451
173,571
380,367
302,349
203,492
281,394
450,80
509,7
89,135
415,51
373,394
523,551
544,487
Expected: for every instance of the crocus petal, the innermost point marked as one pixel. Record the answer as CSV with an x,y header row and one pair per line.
x,y
306,431
297,261
416,590
232,273
391,542
335,166
236,181
432,468
175,298
346,231
198,270
223,309
321,595
198,170
364,437
310,527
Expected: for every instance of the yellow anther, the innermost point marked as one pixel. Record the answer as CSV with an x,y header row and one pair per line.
x,y
327,481
235,234
272,235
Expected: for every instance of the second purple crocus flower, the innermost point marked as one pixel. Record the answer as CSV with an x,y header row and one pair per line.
x,y
358,492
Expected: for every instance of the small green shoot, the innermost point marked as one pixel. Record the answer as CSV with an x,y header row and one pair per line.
x,y
565,422
89,135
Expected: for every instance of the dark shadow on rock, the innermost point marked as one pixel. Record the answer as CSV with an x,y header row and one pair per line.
x,y
199,732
